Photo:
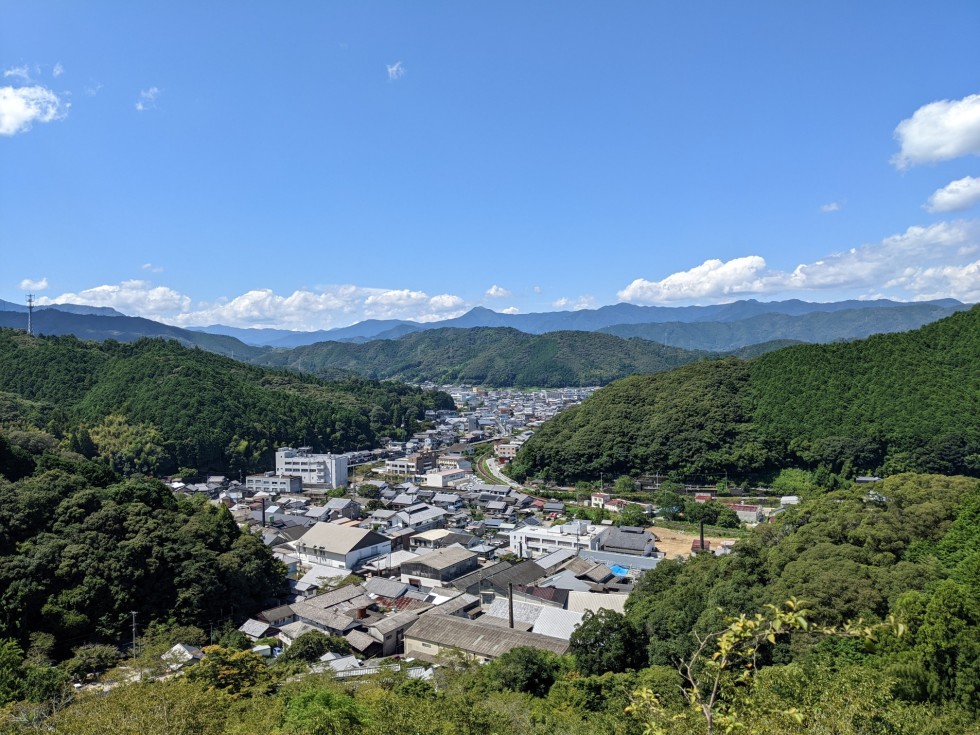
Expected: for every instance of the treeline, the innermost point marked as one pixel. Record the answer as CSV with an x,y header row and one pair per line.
x,y
888,404
494,357
81,549
153,406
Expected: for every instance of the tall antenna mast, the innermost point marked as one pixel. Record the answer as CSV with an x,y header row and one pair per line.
x,y
30,313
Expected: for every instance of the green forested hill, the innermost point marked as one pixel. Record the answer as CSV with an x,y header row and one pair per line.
x,y
890,403
81,548
495,357
157,406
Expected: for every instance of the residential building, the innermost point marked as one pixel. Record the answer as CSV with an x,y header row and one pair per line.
x,y
439,567
333,545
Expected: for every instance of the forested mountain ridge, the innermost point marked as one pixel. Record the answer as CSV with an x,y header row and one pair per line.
x,y
490,356
92,323
155,406
818,327
891,403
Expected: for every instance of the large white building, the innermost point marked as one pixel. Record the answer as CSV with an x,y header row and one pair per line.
x,y
536,541
315,469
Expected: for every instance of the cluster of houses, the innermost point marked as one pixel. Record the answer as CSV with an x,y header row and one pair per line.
x,y
440,561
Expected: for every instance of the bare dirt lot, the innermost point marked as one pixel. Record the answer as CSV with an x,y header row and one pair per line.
x,y
675,543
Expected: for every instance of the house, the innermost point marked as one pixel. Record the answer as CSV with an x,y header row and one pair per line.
x,y
747,513
277,616
440,538
433,636
343,508
182,655
420,517
439,567
390,631
445,478
347,547
599,500
289,633
629,540
255,629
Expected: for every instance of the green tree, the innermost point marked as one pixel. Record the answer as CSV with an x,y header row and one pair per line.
x,y
523,669
322,712
310,646
606,641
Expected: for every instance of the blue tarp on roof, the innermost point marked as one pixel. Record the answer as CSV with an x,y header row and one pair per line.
x,y
619,571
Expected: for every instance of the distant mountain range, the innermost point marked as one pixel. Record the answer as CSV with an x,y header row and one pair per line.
x,y
616,318
591,346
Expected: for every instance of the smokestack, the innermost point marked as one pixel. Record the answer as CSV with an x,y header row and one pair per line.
x,y
702,535
510,603
263,513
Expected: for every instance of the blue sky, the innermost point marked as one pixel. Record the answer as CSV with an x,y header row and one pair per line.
x,y
311,164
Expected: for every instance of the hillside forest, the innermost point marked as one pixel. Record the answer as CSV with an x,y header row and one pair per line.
x,y
888,404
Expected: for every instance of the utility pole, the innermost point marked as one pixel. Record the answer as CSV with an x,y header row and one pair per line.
x,y
30,313
133,613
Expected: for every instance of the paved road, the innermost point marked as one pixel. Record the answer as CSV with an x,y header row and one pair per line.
x,y
494,469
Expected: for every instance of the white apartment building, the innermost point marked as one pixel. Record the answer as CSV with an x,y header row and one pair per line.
x,y
315,469
274,484
535,541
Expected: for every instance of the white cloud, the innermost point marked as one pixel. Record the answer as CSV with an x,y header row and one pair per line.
x,y
20,107
962,282
956,195
130,297
148,99
152,268
582,302
497,292
58,70
917,264
395,71
18,72
939,131
446,302
830,207
537,289
713,278
510,310
29,285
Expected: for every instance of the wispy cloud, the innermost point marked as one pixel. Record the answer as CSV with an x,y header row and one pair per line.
x,y
831,207
152,268
30,285
939,131
58,70
21,107
582,302
955,196
917,264
497,292
510,310
18,72
395,71
148,99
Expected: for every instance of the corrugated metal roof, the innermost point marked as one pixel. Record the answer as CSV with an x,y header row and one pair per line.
x,y
477,638
594,601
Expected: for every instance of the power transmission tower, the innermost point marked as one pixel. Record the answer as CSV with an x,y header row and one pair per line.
x,y
30,313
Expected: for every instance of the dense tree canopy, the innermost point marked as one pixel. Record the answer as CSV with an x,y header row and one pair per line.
x,y
155,406
888,404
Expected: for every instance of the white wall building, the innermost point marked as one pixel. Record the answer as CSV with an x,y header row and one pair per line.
x,y
345,547
536,541
274,484
315,469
